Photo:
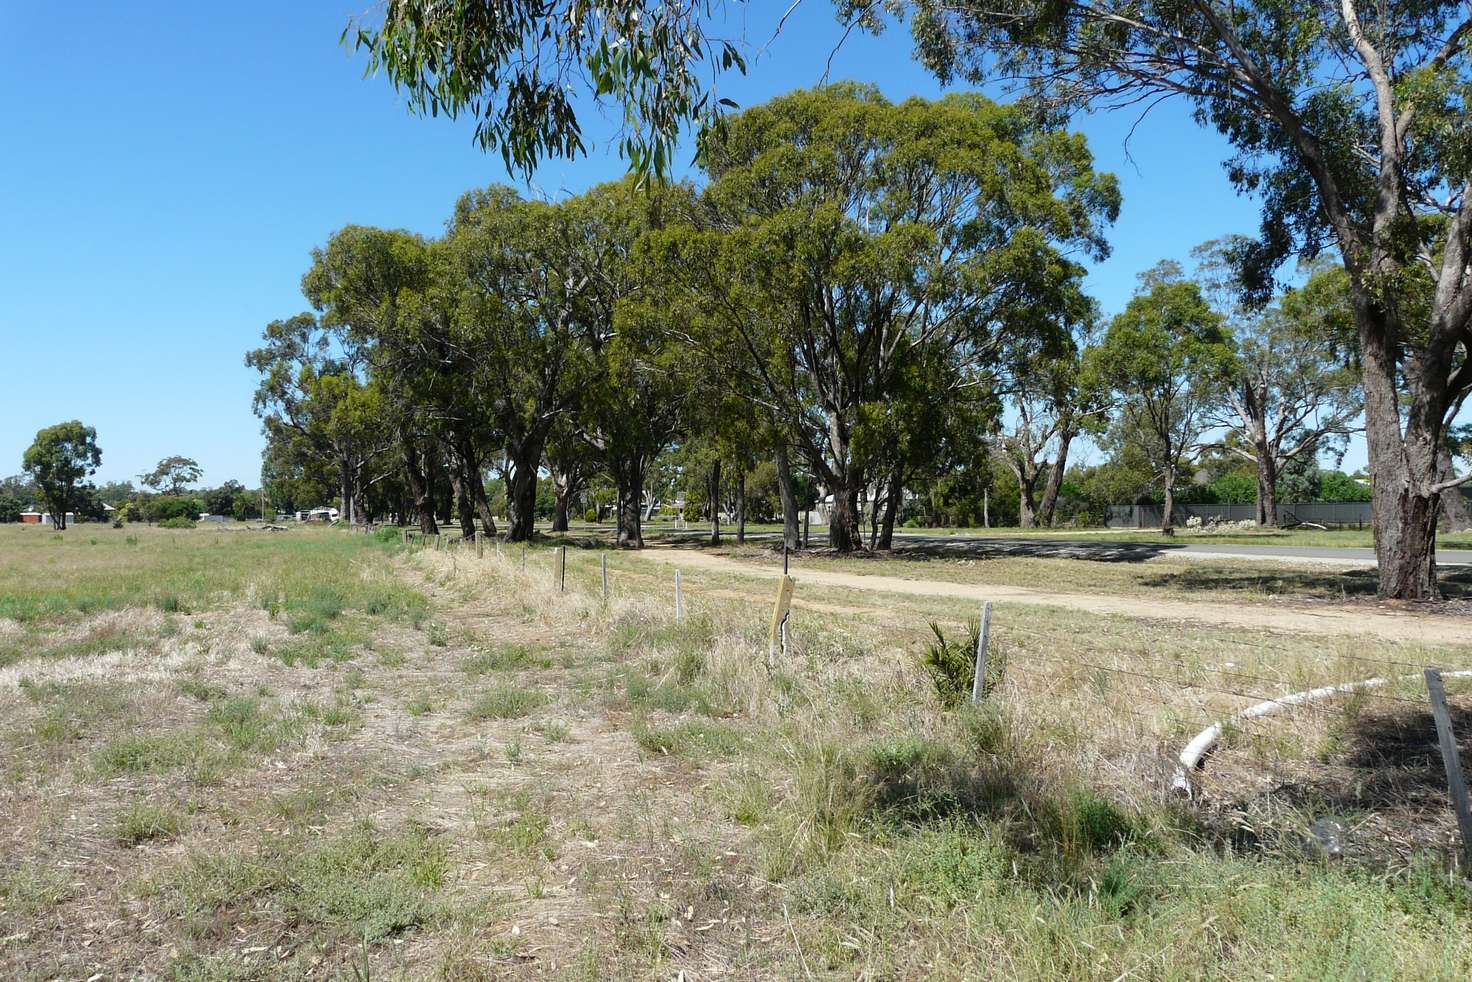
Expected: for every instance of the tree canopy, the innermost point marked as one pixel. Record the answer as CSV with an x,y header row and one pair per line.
x,y
59,460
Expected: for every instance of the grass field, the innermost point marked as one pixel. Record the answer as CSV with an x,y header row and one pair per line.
x,y
299,755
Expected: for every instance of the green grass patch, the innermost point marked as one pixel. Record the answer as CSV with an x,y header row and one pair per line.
x,y
506,658
506,702
144,822
692,740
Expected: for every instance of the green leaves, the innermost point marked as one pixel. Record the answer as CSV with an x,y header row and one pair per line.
x,y
514,65
58,459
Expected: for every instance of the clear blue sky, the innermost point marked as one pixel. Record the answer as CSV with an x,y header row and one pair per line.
x,y
167,168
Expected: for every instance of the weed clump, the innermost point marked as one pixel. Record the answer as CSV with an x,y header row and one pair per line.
x,y
506,702
145,822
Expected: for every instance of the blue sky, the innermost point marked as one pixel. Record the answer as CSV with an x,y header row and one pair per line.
x,y
165,175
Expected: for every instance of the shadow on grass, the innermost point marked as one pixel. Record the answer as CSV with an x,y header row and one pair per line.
x,y
1456,583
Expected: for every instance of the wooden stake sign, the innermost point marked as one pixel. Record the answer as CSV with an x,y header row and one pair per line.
x,y
779,614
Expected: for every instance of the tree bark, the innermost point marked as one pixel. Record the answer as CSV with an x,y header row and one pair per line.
x,y
1168,514
1267,488
521,491
464,508
715,502
419,484
629,478
1049,507
740,506
1027,506
1402,466
891,508
788,493
844,534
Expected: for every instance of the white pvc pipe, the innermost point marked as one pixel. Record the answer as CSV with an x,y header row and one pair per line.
x,y
1202,743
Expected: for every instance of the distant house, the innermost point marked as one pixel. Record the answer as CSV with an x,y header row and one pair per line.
x,y
205,516
34,517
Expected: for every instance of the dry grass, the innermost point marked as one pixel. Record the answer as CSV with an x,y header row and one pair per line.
x,y
291,781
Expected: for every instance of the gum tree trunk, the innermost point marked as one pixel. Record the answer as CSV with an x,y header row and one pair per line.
x,y
715,503
521,491
740,506
1267,488
1168,514
419,485
791,534
891,508
1055,479
844,534
1403,468
629,478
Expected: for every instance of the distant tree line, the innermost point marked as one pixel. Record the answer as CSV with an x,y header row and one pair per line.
x,y
62,458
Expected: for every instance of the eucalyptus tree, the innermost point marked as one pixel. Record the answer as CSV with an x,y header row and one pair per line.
x,y
843,239
1054,398
519,290
515,67
59,461
381,290
172,475
313,398
639,386
1167,356
1296,392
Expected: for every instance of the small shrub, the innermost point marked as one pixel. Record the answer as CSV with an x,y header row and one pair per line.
x,y
505,702
951,665
439,635
144,822
177,522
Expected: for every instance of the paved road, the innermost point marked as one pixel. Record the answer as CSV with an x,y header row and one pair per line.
x,y
1105,548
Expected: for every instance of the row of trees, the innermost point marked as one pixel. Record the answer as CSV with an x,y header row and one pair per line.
x,y
845,297
1347,121
1188,369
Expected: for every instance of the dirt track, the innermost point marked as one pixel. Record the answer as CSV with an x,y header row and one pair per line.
x,y
1411,626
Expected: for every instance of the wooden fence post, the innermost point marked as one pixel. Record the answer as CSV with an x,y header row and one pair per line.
x,y
562,569
679,599
978,683
780,610
1455,779
604,559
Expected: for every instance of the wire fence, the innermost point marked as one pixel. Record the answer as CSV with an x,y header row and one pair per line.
x,y
1344,728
